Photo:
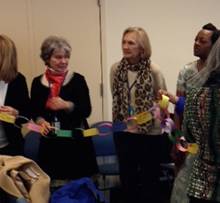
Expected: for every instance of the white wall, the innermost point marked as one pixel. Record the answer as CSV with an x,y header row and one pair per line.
x,y
171,25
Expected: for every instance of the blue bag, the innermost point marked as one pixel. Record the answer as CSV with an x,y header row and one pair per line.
x,y
78,191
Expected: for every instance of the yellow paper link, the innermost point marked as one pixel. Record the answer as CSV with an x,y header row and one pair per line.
x,y
143,117
24,130
164,102
90,132
193,148
7,117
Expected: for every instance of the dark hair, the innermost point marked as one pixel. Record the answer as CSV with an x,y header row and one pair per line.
x,y
215,36
213,28
209,26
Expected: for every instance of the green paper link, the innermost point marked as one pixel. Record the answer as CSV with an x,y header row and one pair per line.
x,y
64,133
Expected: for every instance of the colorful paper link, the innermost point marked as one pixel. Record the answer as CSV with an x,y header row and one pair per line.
x,y
90,132
184,146
175,135
167,125
63,133
131,124
119,126
143,117
34,127
164,102
193,148
106,127
7,117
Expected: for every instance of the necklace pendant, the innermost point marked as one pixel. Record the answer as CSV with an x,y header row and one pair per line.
x,y
130,111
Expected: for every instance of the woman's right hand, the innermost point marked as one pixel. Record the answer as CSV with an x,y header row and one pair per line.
x,y
172,98
46,127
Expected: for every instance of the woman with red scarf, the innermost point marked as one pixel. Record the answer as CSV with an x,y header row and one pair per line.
x,y
60,101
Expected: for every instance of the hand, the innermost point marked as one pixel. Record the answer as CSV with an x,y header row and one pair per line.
x,y
178,158
46,127
57,103
172,98
10,110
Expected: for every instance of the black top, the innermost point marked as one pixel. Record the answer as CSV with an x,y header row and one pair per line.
x,y
213,79
18,98
65,157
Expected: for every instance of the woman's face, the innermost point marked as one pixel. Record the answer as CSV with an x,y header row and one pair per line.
x,y
130,47
203,44
59,60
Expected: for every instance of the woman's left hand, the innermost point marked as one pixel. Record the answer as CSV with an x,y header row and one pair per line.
x,y
172,98
57,103
10,110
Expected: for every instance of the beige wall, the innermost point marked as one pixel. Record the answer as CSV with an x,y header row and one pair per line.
x,y
171,25
29,22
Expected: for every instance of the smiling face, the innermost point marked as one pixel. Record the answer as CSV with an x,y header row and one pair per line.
x,y
131,48
203,44
59,60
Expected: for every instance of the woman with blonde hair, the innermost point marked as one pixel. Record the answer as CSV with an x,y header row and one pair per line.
x,y
14,98
135,81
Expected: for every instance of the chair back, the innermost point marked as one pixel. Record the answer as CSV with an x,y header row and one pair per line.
x,y
106,156
104,144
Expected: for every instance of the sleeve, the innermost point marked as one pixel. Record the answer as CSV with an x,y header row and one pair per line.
x,y
112,74
37,100
18,95
181,82
25,99
82,103
158,79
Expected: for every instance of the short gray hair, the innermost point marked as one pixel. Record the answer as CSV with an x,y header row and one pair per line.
x,y
51,44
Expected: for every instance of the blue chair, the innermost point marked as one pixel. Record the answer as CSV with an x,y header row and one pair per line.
x,y
105,153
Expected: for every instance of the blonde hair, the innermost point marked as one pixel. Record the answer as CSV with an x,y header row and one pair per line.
x,y
8,59
142,39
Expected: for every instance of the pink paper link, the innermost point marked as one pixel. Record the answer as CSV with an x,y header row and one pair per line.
x,y
34,127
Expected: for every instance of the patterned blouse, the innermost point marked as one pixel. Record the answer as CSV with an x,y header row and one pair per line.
x,y
188,71
202,125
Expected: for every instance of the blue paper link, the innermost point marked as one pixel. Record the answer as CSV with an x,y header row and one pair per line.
x,y
119,126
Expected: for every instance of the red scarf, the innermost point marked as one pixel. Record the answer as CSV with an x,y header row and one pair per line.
x,y
55,82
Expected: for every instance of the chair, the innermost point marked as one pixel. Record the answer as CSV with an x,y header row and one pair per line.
x,y
105,153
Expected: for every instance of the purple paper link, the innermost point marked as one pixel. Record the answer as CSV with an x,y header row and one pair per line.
x,y
167,128
171,122
157,113
104,128
167,125
119,126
